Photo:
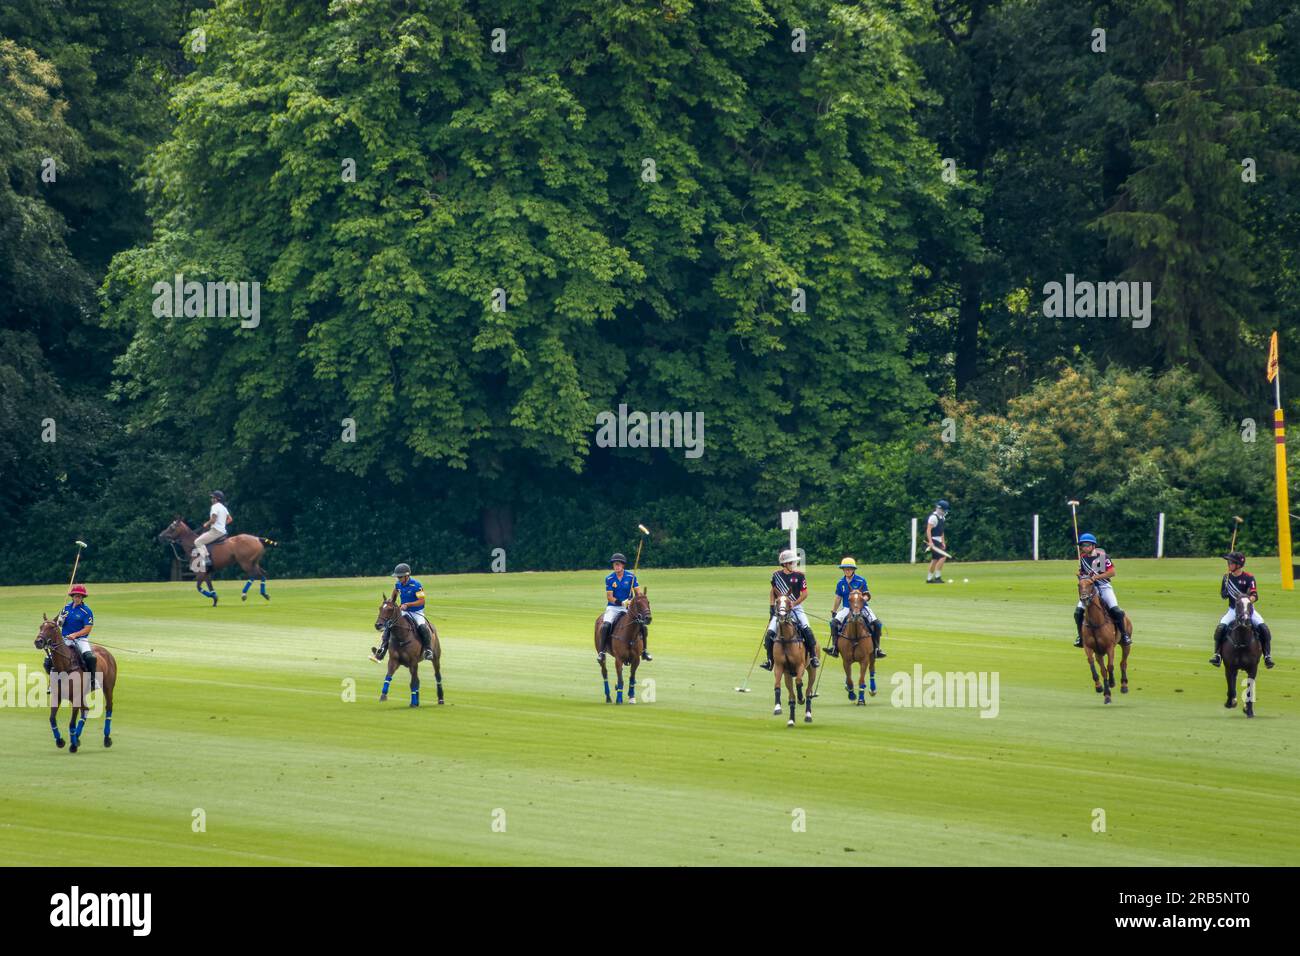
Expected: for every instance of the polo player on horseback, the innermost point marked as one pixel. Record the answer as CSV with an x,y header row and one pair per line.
x,y
75,621
620,585
852,581
1096,566
411,604
1239,582
788,581
214,527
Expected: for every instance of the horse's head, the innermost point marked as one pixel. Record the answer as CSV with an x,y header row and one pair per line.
x,y
857,601
639,609
388,613
784,613
47,635
1087,591
1243,609
174,531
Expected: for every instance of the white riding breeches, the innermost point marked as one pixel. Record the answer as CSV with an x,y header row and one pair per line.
x,y
82,644
1228,619
799,616
417,617
842,614
201,542
1107,595
613,612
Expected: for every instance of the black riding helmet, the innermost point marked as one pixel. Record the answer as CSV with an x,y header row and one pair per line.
x,y
618,558
1235,557
220,496
401,571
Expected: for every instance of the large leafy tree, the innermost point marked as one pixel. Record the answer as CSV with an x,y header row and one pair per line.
x,y
530,171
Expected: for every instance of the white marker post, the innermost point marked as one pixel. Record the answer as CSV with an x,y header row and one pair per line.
x,y
790,522
1160,536
1035,537
914,541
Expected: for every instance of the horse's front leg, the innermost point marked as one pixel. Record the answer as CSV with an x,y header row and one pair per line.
x,y
54,724
778,672
1123,667
415,682
618,679
789,690
1230,672
807,701
202,579
74,737
631,678
1092,665
388,678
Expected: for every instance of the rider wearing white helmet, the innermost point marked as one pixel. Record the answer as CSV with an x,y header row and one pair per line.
x,y
852,581
788,581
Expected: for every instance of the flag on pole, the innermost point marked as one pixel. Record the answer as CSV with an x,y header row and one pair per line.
x,y
1272,357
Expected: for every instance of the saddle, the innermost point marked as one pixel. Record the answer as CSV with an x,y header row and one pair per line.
x,y
194,552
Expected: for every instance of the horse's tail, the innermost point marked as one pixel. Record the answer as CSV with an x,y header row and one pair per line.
x,y
268,542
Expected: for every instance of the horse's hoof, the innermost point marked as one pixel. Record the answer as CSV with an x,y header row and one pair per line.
x,y
243,597
1097,688
790,723
415,705
60,743
108,741
1123,688
807,718
862,703
852,697
609,700
873,693
440,701
72,749
631,700
1107,700
266,597
383,697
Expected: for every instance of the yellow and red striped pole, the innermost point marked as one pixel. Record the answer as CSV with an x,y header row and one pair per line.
x,y
1279,450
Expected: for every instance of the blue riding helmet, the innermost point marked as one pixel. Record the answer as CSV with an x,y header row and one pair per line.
x,y
1087,539
941,503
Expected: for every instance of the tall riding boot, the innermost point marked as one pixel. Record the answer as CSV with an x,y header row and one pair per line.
x,y
1266,642
833,646
377,653
605,630
645,646
1220,633
88,662
1117,618
767,645
426,639
876,628
810,645
1078,626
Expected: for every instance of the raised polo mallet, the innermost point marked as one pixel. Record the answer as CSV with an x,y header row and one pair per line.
x,y
72,580
645,533
1237,520
1074,513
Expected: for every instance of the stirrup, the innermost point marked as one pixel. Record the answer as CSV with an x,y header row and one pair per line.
x,y
1078,641
766,665
1216,660
1268,661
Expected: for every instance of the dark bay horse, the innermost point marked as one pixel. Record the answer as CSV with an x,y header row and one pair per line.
x,y
68,681
244,549
855,644
1099,640
789,661
1241,652
405,649
626,642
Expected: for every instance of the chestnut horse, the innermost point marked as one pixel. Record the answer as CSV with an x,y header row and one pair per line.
x,y
1099,639
626,642
856,644
246,549
1241,652
789,660
68,682
406,650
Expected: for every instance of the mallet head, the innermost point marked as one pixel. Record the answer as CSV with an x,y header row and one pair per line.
x,y
81,544
644,529
1072,503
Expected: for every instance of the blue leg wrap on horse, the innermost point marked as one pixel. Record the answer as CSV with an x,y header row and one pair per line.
x,y
247,584
108,723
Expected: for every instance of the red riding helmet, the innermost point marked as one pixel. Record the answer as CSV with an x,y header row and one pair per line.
x,y
77,589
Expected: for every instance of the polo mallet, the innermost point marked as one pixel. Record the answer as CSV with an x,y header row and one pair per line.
x,y
744,685
1074,513
80,545
645,533
1237,520
939,551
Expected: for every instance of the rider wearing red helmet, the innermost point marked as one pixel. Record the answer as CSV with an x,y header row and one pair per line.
x,y
75,621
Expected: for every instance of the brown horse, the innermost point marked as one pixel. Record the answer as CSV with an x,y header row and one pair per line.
x,y
856,644
626,642
1241,652
405,649
68,680
244,549
789,660
1099,639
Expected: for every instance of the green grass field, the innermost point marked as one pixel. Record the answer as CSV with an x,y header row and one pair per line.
x,y
240,711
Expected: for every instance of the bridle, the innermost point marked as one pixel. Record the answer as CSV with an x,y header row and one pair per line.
x,y
785,615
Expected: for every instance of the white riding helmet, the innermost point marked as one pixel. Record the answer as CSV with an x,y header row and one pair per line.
x,y
787,557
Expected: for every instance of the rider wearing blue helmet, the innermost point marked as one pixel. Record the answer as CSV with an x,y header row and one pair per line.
x,y
934,536
1096,565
